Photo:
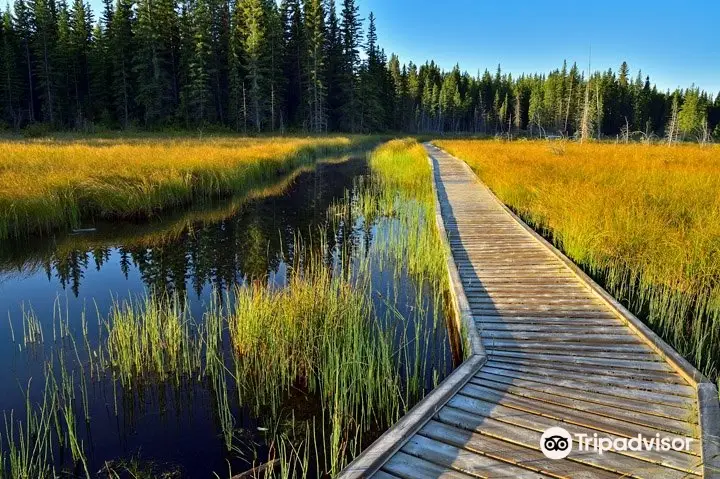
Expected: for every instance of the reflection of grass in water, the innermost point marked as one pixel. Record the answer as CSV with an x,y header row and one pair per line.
x,y
47,184
136,468
320,335
148,235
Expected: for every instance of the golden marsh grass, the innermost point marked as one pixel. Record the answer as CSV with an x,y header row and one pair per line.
x,y
56,183
645,219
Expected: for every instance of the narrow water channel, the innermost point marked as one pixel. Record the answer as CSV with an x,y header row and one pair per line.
x,y
55,293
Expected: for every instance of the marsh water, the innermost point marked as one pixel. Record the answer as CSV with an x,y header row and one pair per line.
x,y
69,282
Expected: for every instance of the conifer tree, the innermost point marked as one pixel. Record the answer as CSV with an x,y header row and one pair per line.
x,y
295,46
370,85
9,75
79,45
315,29
253,45
121,45
153,59
197,96
45,42
333,68
237,113
691,113
351,34
274,61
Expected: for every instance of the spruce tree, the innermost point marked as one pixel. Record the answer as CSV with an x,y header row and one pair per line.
x,y
691,113
45,42
295,46
333,68
253,45
237,113
154,59
23,22
9,75
351,34
273,63
79,45
121,46
315,29
197,95
371,84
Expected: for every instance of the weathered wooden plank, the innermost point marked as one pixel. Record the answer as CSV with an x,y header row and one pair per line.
x,y
526,429
588,337
569,347
655,376
383,475
530,294
509,452
561,309
577,305
559,349
506,312
639,405
557,323
497,299
579,360
675,426
637,382
528,316
588,388
462,460
687,463
406,466
548,328
605,424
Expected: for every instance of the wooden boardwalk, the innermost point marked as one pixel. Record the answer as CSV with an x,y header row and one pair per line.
x,y
548,348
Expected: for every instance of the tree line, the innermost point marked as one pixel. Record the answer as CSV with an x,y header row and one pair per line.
x,y
302,65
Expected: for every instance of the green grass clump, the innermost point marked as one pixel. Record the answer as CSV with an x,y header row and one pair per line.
x,y
152,342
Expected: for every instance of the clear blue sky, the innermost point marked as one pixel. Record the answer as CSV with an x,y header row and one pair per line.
x,y
676,42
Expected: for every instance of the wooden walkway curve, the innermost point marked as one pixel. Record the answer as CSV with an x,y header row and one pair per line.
x,y
548,347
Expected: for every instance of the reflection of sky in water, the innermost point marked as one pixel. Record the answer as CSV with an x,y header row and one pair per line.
x,y
190,255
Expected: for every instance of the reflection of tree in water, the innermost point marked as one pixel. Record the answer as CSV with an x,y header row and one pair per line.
x,y
249,244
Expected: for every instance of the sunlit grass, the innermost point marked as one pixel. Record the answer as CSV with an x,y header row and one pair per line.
x,y
643,218
47,184
321,335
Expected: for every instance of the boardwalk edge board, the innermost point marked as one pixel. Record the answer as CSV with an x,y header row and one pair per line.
x,y
372,458
707,392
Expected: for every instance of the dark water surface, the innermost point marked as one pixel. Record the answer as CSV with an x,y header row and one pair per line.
x,y
191,253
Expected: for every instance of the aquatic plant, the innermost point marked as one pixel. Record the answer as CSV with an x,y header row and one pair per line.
x,y
151,341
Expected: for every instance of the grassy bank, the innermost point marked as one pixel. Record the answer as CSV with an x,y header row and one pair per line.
x,y
359,353
47,184
644,219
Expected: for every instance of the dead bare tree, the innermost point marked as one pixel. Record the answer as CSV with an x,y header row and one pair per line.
x,y
585,122
625,131
671,131
704,137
